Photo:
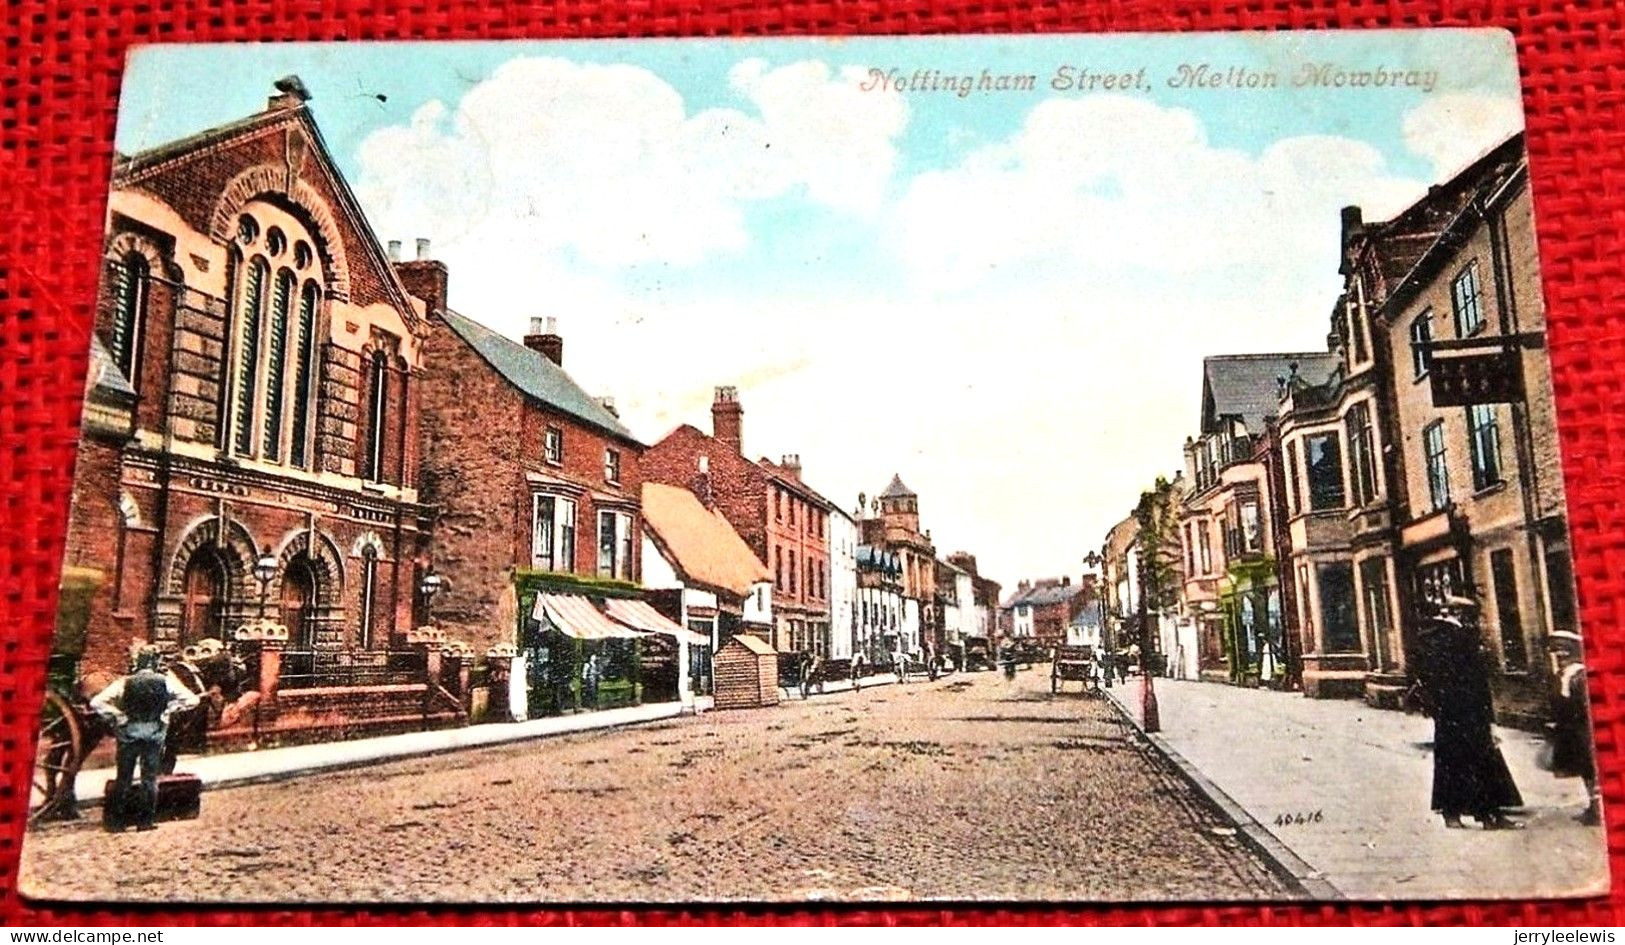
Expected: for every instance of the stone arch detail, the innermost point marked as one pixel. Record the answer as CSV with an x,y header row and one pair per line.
x,y
126,242
237,545
276,179
324,557
367,540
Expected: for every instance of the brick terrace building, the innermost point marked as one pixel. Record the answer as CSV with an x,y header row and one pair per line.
x,y
527,472
1049,604
780,517
1228,519
268,359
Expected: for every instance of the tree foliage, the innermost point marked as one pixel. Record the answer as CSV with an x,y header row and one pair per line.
x,y
1159,565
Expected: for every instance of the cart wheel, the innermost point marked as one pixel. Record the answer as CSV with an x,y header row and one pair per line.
x,y
56,761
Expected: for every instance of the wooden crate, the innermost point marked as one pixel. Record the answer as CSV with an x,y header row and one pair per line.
x,y
746,674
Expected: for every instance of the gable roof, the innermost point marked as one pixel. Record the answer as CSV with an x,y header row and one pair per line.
x,y
535,375
699,541
754,644
131,169
1047,591
1246,386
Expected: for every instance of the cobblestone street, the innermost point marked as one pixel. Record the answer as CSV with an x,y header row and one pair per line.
x,y
969,788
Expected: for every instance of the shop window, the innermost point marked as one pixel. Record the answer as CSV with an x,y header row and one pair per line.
x,y
1339,626
1378,612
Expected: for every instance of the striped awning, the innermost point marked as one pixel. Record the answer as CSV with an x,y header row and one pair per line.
x,y
576,616
637,613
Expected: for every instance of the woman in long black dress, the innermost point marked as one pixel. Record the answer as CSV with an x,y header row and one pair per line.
x,y
1469,775
1572,753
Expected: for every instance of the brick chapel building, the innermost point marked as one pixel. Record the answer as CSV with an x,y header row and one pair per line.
x,y
256,401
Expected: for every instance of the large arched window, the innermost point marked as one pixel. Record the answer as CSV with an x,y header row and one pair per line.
x,y
250,302
304,404
369,594
129,313
377,399
276,306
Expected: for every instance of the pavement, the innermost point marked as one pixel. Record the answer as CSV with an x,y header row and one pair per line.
x,y
1345,789
968,788
231,769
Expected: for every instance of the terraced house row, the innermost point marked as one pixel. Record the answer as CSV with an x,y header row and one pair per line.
x,y
1328,496
395,516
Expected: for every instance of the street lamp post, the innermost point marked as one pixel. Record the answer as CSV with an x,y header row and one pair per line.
x,y
431,585
264,571
1093,561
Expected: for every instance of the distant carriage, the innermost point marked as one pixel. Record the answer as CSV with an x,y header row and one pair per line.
x,y
1074,664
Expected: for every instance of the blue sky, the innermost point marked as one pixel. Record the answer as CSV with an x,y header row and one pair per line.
x,y
956,289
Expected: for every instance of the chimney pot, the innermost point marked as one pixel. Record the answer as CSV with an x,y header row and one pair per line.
x,y
423,247
394,250
608,403
544,338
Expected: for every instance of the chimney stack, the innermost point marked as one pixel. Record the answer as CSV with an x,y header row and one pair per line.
x,y
423,277
728,419
791,463
544,337
290,93
1066,580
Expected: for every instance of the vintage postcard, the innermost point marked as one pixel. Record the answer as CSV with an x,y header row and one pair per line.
x,y
1064,468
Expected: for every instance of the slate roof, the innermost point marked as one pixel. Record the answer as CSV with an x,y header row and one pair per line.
x,y
1045,592
897,490
703,546
1245,385
535,375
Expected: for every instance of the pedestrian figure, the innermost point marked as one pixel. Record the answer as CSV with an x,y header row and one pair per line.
x,y
857,673
589,681
1470,776
900,664
1571,749
138,707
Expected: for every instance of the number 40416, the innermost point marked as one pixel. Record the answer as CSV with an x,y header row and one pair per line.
x,y
1298,819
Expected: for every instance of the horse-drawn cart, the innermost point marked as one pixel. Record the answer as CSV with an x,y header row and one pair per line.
x,y
1074,664
70,730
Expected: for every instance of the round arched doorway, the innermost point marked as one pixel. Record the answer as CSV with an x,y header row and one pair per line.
x,y
299,595
205,596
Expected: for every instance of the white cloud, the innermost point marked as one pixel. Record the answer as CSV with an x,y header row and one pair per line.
x,y
1452,129
1111,183
606,163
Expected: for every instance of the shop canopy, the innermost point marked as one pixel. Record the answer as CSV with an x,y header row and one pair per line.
x,y
637,613
575,616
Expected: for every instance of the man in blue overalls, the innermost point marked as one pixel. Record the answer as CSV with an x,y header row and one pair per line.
x,y
137,708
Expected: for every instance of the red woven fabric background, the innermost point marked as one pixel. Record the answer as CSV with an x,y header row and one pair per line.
x,y
58,95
